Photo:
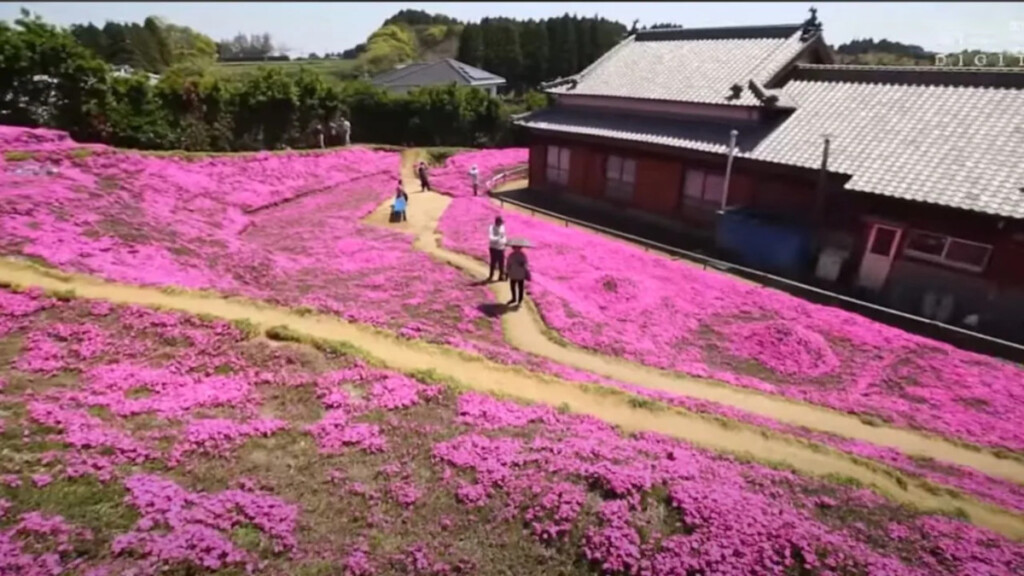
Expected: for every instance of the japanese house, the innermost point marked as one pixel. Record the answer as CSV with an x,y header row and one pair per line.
x,y
903,185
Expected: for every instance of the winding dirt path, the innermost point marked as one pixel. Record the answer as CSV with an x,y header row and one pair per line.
x,y
526,331
480,374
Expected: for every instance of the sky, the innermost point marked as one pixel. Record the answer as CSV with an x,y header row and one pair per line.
x,y
332,27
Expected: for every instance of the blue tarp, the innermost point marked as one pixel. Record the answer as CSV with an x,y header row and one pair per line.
x,y
756,242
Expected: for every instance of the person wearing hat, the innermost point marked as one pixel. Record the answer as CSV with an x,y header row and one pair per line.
x,y
496,246
518,272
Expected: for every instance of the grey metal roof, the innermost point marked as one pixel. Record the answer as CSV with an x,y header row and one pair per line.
x,y
948,142
432,73
691,65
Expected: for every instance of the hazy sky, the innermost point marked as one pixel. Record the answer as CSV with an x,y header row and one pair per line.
x,y
332,27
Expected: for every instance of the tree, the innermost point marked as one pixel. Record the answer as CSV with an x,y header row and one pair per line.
x,y
471,46
251,47
389,46
91,37
564,49
187,45
502,53
119,51
536,53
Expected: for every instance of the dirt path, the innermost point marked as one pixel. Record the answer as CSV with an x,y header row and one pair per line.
x,y
478,373
526,331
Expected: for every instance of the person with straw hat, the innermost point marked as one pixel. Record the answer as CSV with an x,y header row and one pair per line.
x,y
518,271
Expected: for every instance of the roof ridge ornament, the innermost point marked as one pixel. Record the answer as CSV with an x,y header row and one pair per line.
x,y
811,26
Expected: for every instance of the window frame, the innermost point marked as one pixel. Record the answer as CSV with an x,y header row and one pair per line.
x,y
704,204
943,258
559,172
617,186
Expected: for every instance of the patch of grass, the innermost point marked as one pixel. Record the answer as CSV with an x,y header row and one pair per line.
x,y
18,156
871,420
80,153
284,334
173,290
83,501
246,327
431,376
66,295
317,568
844,480
439,155
645,403
247,537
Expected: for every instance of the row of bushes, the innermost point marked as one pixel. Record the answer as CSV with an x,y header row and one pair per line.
x,y
48,79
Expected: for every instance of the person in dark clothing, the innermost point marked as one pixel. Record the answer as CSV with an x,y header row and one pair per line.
x,y
518,273
421,171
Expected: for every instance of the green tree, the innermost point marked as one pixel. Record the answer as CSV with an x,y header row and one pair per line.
x,y
502,53
187,45
92,37
48,78
536,53
388,46
471,46
266,110
564,49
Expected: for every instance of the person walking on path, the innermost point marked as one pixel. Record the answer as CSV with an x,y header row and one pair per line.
x,y
400,204
400,190
518,273
474,176
421,171
346,131
496,246
318,130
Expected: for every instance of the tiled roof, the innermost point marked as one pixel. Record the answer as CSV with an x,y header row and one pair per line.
x,y
432,73
946,142
690,65
690,134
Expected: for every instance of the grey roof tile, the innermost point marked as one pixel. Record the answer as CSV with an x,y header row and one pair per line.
x,y
433,73
955,146
698,65
472,74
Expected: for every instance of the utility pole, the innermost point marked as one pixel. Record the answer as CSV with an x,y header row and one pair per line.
x,y
728,168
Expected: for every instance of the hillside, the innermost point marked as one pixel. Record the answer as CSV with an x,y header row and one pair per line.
x,y
884,52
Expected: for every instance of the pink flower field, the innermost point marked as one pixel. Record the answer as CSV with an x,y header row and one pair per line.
x,y
284,228
138,441
453,178
614,298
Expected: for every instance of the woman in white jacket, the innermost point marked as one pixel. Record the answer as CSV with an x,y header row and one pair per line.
x,y
497,239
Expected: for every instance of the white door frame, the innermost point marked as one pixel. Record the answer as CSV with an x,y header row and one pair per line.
x,y
874,268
